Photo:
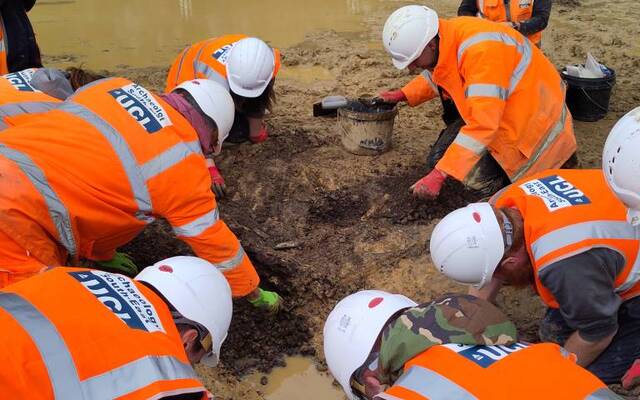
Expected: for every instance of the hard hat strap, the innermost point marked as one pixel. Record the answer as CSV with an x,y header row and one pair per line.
x,y
508,231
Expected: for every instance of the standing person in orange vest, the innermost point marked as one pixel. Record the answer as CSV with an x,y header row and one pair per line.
x,y
37,90
386,347
60,199
529,17
566,234
510,119
18,47
247,67
77,333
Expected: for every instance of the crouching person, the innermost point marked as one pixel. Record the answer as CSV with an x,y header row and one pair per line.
x,y
384,346
77,333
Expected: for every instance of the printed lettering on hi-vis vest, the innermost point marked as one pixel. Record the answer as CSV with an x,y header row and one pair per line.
x,y
556,192
222,54
484,356
142,106
121,296
21,80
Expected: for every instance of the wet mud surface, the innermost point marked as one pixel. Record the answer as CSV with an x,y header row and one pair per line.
x,y
320,223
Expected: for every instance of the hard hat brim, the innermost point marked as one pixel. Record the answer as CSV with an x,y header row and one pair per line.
x,y
402,64
250,93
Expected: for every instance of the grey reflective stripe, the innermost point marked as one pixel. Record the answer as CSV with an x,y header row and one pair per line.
x,y
56,208
27,107
576,233
136,375
169,158
62,370
55,355
481,8
121,148
507,9
603,394
523,48
550,137
183,56
486,90
432,385
470,143
231,263
204,69
427,75
198,226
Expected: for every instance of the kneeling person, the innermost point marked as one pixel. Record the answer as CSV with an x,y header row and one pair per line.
x,y
456,347
82,333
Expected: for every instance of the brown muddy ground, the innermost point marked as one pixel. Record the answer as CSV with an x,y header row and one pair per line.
x,y
348,222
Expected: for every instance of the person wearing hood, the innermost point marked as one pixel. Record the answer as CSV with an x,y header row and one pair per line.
x,y
62,200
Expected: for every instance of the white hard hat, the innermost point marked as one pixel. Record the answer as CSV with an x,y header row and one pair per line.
x,y
621,162
352,328
407,32
467,244
198,291
250,67
215,101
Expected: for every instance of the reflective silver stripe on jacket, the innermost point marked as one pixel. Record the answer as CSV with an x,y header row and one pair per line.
x,y
426,74
199,225
56,208
470,143
486,90
603,394
211,74
169,158
576,233
432,385
523,48
121,148
386,396
55,355
481,8
61,368
550,137
26,107
232,262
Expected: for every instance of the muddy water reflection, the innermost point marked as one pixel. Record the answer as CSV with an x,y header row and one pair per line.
x,y
107,33
298,380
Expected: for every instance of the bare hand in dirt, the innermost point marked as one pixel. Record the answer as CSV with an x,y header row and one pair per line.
x,y
428,188
217,183
393,96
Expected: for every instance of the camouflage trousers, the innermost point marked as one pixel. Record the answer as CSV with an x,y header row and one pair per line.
x,y
623,350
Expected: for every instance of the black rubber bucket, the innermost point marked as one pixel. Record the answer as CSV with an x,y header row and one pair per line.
x,y
588,98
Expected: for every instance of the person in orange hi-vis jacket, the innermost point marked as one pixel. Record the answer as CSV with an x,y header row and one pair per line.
x,y
565,234
246,66
514,121
78,333
384,346
60,199
37,90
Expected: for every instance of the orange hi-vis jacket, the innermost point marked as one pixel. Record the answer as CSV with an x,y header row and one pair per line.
x,y
18,97
509,95
515,11
567,212
75,333
207,60
518,371
87,177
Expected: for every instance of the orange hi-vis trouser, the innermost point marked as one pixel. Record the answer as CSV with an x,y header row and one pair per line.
x,y
77,333
207,59
519,371
568,212
510,97
516,11
65,197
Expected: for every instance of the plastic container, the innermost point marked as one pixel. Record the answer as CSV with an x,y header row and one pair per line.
x,y
366,129
588,98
